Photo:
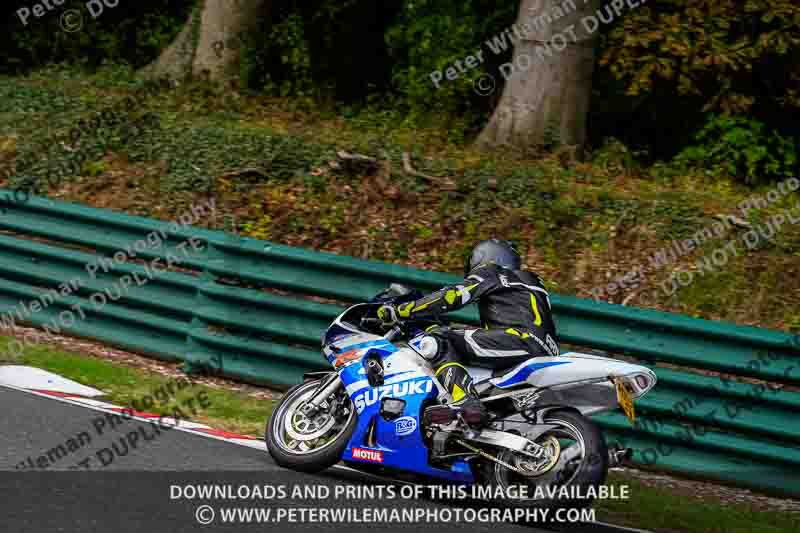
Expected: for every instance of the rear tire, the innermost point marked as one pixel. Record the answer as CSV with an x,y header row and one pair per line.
x,y
590,472
280,443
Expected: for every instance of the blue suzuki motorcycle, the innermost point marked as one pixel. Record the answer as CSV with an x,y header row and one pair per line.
x,y
367,411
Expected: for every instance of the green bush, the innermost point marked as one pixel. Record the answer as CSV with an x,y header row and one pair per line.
x,y
329,50
430,35
126,34
742,148
665,64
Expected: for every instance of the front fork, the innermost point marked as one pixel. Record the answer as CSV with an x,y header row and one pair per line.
x,y
329,385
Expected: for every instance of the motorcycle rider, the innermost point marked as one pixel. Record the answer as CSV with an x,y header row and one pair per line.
x,y
516,316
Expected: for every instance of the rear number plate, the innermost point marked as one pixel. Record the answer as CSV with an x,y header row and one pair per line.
x,y
625,400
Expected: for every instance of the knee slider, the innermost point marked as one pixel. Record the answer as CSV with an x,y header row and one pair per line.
x,y
429,347
439,347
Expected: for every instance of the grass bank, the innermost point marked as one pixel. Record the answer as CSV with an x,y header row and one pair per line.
x,y
273,169
126,386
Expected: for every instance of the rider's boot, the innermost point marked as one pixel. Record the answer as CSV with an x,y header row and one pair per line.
x,y
456,379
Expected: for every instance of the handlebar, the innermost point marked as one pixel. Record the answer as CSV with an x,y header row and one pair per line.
x,y
391,334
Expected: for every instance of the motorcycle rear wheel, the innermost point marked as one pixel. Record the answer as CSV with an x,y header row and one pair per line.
x,y
582,464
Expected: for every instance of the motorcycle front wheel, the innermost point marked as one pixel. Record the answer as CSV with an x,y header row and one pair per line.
x,y
310,442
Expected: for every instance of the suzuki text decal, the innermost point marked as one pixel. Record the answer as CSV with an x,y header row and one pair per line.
x,y
397,390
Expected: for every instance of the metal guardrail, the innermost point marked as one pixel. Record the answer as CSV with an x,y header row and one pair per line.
x,y
742,428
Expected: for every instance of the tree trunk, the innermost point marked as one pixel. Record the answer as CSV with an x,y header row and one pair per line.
x,y
545,100
209,44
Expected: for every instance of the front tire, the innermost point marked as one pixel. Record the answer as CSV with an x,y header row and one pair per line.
x,y
310,444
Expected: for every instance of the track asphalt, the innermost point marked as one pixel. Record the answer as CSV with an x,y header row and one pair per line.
x,y
70,469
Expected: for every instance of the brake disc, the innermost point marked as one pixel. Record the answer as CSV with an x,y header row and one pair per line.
x,y
301,427
552,452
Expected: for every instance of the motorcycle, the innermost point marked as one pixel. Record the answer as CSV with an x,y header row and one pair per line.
x,y
367,411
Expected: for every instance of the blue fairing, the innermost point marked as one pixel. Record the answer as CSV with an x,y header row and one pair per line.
x,y
397,443
521,374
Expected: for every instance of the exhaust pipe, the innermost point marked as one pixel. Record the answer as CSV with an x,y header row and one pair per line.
x,y
617,456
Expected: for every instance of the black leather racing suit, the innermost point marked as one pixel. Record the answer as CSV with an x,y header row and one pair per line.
x,y
515,313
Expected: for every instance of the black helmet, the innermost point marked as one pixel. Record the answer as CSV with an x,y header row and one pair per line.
x,y
501,253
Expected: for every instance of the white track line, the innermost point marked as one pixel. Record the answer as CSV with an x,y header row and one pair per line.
x,y
187,426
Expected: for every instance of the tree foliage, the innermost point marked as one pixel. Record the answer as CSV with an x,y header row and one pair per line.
x,y
685,64
127,34
727,53
672,76
431,35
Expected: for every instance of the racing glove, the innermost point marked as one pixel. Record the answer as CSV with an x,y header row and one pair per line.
x,y
388,315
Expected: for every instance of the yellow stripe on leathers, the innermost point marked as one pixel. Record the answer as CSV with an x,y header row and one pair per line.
x,y
423,306
512,331
446,365
538,320
458,393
